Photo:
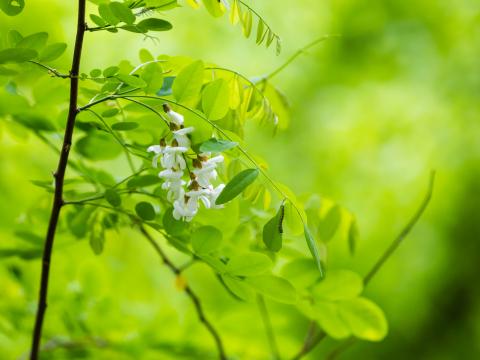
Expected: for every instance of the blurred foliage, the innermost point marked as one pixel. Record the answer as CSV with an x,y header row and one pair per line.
x,y
370,113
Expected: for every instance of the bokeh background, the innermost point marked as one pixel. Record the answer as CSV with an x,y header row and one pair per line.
x,y
373,111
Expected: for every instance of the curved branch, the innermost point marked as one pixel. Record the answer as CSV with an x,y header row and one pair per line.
x,y
190,293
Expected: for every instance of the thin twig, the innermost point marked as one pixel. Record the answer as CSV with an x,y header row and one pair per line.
x,y
262,306
307,347
51,70
59,181
190,293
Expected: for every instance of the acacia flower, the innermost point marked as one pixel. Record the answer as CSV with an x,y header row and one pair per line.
x,y
206,170
173,157
184,209
181,136
175,117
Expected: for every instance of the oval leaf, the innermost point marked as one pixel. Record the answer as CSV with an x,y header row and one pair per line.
x,y
125,126
312,246
206,239
188,84
273,230
145,210
249,264
52,52
215,145
16,55
113,197
237,185
216,99
153,24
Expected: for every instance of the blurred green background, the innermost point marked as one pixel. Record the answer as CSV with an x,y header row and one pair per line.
x,y
372,112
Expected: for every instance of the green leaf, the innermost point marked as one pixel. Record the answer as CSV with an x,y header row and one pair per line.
x,y
110,112
34,121
273,287
77,221
125,126
215,145
52,52
353,235
301,272
312,246
365,319
260,31
14,37
133,81
338,285
153,76
273,230
95,73
188,83
216,99
247,23
98,20
330,223
171,225
113,198
206,239
143,181
249,264
239,288
12,7
213,7
106,13
153,24
16,55
145,210
235,187
97,236
328,316
35,41
98,147
110,71
122,12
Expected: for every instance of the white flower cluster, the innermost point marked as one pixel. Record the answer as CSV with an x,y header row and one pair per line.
x,y
185,196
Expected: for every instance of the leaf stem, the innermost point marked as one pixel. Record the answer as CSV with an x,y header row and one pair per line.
x,y
262,306
59,181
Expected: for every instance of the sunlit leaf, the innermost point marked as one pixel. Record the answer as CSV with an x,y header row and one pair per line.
x,y
338,285
113,198
273,287
52,52
216,99
249,264
188,83
153,24
16,55
312,246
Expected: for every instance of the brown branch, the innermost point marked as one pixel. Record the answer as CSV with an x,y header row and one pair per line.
x,y
59,179
190,293
310,345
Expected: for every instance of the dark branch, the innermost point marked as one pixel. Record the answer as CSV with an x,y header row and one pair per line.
x,y
190,293
59,176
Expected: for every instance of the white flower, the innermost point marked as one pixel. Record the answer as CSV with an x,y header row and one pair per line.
x,y
184,210
181,136
202,195
158,150
213,195
208,171
176,118
173,157
171,174
175,188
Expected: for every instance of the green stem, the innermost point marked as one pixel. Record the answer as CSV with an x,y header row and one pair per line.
x,y
262,306
53,71
297,54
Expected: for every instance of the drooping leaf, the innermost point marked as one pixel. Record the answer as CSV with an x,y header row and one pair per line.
x,y
237,185
312,246
98,20
216,99
273,231
249,264
213,7
145,210
206,239
97,236
353,235
14,37
216,145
